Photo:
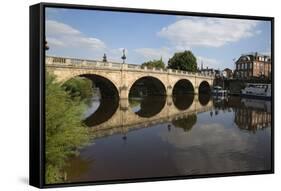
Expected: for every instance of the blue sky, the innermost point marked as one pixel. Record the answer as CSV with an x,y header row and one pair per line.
x,y
88,34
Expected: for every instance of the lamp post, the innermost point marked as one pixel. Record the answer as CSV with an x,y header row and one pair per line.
x,y
46,45
124,56
104,59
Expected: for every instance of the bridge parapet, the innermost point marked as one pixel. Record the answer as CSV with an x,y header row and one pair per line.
x,y
93,64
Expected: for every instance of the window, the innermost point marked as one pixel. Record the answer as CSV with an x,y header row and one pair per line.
x,y
250,65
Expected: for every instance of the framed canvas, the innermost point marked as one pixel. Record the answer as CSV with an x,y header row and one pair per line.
x,y
127,95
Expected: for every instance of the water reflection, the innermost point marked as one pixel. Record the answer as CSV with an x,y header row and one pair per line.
x,y
186,123
204,99
183,102
150,139
147,106
253,115
101,110
250,114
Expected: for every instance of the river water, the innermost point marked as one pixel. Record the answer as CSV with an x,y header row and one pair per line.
x,y
173,136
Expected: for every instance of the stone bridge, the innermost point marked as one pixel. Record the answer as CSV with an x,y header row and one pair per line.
x,y
125,119
118,79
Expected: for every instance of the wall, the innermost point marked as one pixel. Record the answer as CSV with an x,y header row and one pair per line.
x,y
14,95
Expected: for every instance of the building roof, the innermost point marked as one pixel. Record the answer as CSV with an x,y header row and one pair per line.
x,y
252,56
227,69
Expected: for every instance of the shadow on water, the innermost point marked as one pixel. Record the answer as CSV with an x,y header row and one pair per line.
x,y
183,102
107,107
147,106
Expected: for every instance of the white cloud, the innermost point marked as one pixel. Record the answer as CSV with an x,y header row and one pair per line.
x,y
208,62
55,41
62,35
258,32
154,53
56,28
207,32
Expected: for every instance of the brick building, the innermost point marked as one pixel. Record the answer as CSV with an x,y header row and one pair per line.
x,y
253,65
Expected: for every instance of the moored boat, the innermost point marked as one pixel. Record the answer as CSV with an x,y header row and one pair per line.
x,y
218,91
259,91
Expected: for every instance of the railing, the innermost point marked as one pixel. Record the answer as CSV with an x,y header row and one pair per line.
x,y
71,62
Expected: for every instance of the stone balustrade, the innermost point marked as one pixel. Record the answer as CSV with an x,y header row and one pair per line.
x,y
73,62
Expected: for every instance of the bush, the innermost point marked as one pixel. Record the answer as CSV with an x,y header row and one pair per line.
x,y
65,132
154,64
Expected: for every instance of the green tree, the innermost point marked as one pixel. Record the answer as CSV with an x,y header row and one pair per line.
x,y
154,64
79,87
65,132
183,61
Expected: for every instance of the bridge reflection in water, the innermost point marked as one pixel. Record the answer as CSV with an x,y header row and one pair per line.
x,y
135,113
158,136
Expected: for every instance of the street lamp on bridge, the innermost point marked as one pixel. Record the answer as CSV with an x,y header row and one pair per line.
x,y
46,45
124,56
104,59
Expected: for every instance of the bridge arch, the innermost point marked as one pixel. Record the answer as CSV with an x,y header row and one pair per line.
x,y
107,88
183,87
204,87
147,86
106,109
144,108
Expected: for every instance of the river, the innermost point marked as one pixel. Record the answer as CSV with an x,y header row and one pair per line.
x,y
173,136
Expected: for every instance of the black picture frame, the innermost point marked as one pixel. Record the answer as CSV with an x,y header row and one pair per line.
x,y
37,92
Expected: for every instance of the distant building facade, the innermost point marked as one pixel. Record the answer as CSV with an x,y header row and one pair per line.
x,y
210,71
253,65
227,73
207,71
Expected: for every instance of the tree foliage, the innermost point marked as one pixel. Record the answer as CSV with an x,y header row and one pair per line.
x,y
79,87
183,61
65,132
154,64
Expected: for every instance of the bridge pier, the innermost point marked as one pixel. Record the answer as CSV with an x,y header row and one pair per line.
x,y
124,93
196,90
169,90
124,104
